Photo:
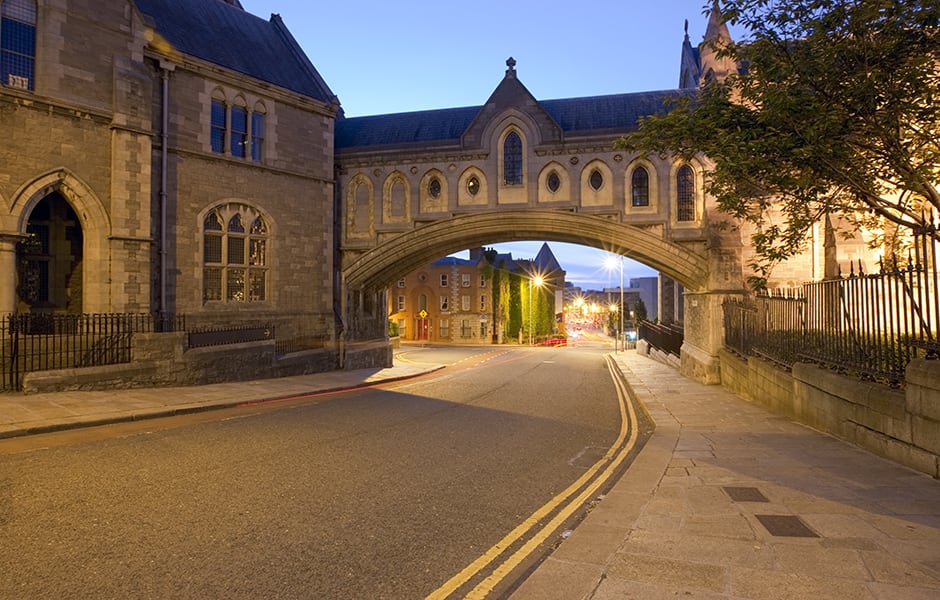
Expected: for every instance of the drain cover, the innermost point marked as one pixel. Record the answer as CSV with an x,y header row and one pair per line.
x,y
745,494
785,526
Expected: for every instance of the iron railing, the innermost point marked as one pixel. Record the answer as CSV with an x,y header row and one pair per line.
x,y
40,342
662,336
866,325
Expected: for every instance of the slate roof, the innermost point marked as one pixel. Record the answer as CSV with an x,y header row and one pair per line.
x,y
597,114
227,36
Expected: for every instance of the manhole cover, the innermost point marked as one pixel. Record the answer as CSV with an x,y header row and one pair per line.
x,y
745,494
785,526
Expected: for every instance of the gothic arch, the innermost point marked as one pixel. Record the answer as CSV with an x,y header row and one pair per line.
x,y
601,195
698,199
472,196
563,193
360,221
391,211
407,252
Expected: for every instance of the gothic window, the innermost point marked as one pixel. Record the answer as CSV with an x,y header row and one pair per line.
x,y
553,181
473,186
257,133
398,200
218,126
18,43
596,180
512,159
685,194
239,131
640,187
235,262
235,130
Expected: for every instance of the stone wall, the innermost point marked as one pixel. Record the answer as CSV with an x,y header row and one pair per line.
x,y
162,360
903,426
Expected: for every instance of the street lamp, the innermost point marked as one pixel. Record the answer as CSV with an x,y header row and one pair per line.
x,y
611,264
537,280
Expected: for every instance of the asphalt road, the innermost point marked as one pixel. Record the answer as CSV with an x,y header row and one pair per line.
x,y
380,493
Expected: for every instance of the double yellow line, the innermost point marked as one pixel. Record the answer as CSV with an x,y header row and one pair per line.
x,y
566,504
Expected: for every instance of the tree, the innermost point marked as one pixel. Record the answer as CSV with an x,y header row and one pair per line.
x,y
834,110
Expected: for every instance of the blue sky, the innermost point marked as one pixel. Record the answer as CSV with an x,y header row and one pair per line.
x,y
386,57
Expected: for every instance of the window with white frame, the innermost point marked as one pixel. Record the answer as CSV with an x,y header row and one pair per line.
x,y
445,303
465,280
401,282
465,302
443,279
482,280
445,328
483,306
401,303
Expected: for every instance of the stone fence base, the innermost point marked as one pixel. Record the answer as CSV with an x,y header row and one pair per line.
x,y
903,426
164,360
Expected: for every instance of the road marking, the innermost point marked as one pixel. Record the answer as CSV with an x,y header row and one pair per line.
x,y
606,466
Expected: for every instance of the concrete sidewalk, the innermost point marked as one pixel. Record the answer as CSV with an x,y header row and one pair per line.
x,y
727,500
42,413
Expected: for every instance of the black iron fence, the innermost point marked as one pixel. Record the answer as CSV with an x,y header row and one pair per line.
x,y
41,342
866,325
662,336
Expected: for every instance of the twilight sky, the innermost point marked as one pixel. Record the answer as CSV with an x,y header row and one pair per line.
x,y
386,57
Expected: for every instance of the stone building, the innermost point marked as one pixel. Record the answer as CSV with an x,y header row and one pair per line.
x,y
164,156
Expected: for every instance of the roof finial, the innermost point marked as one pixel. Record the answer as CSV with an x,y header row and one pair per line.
x,y
511,63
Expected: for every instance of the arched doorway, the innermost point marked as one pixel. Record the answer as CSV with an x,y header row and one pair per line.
x,y
49,259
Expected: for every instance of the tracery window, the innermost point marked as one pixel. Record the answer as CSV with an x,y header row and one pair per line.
x,y
640,187
512,159
685,194
18,43
235,264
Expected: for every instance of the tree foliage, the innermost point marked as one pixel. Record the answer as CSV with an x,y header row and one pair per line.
x,y
835,109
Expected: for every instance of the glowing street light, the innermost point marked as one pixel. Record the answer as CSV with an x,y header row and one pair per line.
x,y
612,264
538,281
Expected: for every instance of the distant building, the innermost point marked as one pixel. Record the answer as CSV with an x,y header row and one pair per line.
x,y
453,300
448,301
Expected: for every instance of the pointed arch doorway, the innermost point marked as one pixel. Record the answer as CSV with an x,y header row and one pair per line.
x,y
50,259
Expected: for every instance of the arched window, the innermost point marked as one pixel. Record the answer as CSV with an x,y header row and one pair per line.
x,y
257,132
18,43
640,187
239,132
235,264
512,159
685,194
218,125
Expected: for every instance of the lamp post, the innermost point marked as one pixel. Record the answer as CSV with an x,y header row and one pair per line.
x,y
611,264
537,280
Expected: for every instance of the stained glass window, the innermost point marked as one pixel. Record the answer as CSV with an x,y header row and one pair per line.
x,y
640,184
235,265
685,194
512,159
